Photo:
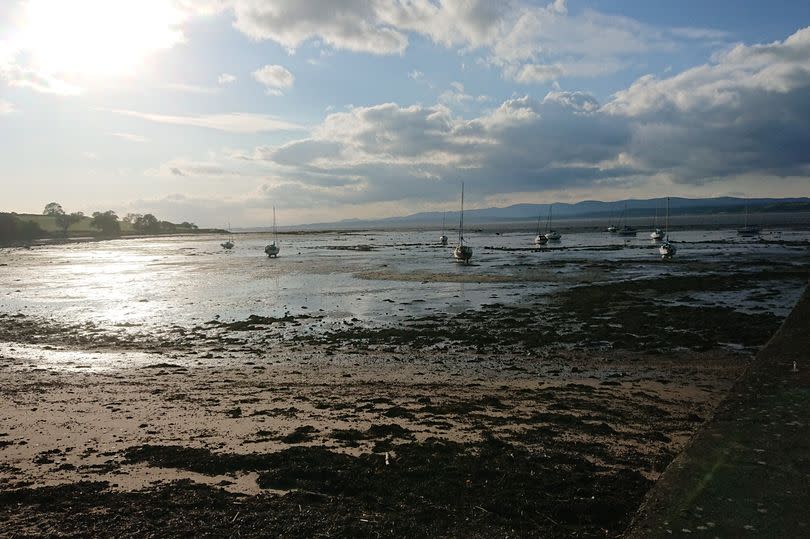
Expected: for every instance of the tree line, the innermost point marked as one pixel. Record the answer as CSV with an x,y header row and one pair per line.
x,y
13,228
109,224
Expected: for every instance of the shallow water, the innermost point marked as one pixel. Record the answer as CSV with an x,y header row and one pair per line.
x,y
157,282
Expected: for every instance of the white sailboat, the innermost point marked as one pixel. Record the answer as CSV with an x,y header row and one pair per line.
x,y
626,230
228,244
443,237
657,234
462,253
748,230
667,249
273,249
551,235
540,238
611,227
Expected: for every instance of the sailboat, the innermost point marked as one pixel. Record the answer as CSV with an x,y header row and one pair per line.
x,y
273,249
748,230
551,235
667,249
657,234
540,238
228,244
462,253
611,227
626,230
443,237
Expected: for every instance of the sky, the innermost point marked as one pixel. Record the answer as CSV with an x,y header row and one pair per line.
x,y
214,111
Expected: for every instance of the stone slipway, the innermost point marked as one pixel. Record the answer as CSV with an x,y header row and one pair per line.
x,y
747,471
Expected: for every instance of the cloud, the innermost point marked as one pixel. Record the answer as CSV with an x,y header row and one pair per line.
x,y
131,137
528,42
21,77
226,78
389,152
701,34
275,78
353,25
6,107
530,73
196,169
744,113
232,122
191,88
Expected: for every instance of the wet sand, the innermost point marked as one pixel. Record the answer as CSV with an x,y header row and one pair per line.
x,y
467,442
546,419
746,472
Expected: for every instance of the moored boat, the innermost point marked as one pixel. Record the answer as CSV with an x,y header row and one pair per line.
x,y
462,253
273,248
667,250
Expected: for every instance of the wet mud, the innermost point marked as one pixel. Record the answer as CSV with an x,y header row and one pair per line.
x,y
551,417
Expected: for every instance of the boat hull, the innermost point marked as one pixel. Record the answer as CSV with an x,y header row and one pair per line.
x,y
667,251
272,250
462,253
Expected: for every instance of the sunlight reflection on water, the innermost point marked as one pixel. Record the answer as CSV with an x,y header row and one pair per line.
x,y
189,280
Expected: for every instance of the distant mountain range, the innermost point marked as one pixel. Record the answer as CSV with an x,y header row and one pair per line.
x,y
588,209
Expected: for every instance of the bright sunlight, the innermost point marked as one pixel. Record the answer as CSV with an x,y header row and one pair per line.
x,y
96,38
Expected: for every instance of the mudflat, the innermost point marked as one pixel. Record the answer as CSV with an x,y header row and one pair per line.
x,y
549,418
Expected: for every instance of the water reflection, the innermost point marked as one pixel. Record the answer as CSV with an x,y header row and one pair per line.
x,y
189,280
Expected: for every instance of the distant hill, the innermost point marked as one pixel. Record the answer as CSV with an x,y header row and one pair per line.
x,y
588,209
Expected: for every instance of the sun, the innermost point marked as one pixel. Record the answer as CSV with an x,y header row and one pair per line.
x,y
96,38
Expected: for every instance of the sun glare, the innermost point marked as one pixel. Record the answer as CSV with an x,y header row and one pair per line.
x,y
97,38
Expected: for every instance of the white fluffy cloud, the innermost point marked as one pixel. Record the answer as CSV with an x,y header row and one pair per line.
x,y
746,112
530,43
353,25
742,116
275,78
390,152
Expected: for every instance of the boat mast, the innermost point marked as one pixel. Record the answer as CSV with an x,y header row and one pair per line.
x,y
548,223
746,215
275,233
666,222
461,218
